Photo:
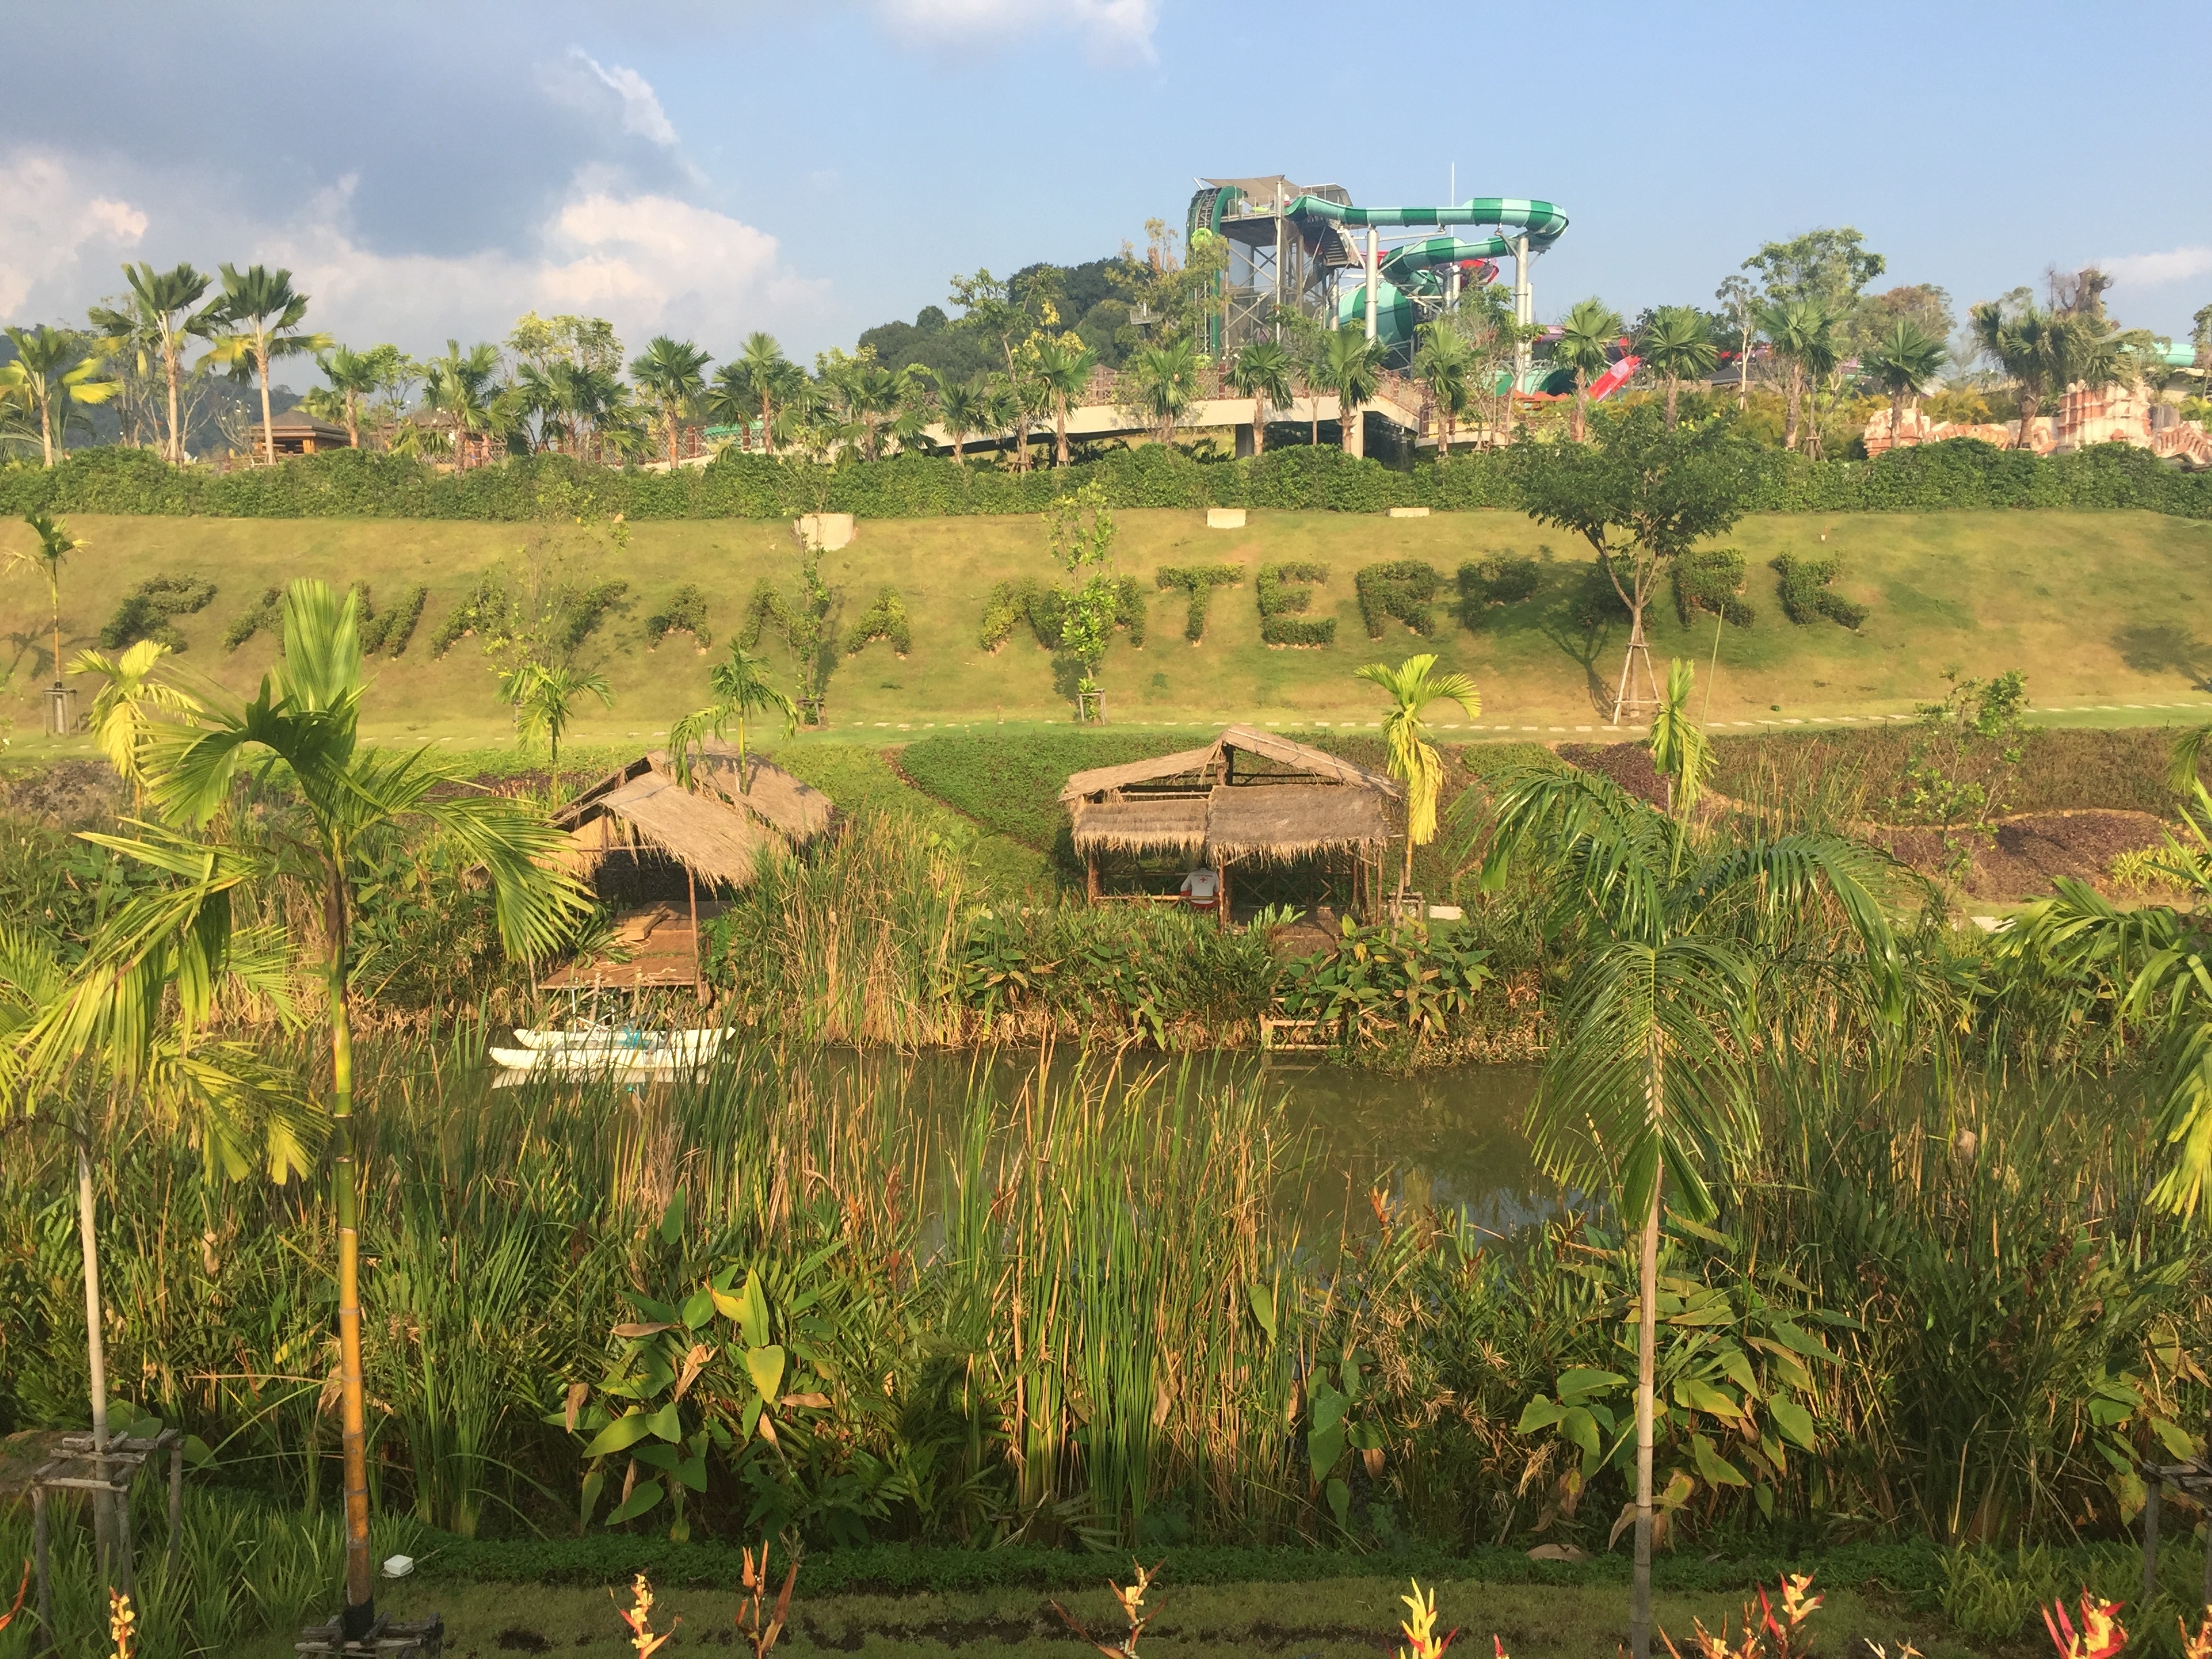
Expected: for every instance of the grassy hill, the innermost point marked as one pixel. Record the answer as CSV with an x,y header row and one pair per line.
x,y
2097,608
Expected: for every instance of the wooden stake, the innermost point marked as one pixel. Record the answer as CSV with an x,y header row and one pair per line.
x,y
39,1551
698,974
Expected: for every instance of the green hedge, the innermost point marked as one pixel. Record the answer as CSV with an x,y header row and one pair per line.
x,y
356,484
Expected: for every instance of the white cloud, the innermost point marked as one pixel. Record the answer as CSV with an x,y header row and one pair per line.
x,y
48,226
1112,31
641,114
2156,269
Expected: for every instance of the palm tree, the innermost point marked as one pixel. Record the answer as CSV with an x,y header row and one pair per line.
x,y
769,376
1585,345
161,318
1261,371
1679,751
1445,366
55,545
1165,380
52,374
354,803
671,375
1648,1076
120,723
1902,363
964,408
1676,343
262,317
1063,373
460,386
1412,686
2020,343
544,699
1802,334
353,375
742,690
1350,365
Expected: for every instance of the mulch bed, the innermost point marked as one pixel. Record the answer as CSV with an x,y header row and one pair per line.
x,y
1628,764
2032,848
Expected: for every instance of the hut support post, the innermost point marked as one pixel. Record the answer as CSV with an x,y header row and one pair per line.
x,y
698,975
1221,898
39,1553
176,1505
1090,888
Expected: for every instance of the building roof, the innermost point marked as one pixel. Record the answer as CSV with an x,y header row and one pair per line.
x,y
1202,767
714,828
296,422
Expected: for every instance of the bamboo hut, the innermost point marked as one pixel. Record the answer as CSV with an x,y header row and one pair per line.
x,y
1249,800
641,835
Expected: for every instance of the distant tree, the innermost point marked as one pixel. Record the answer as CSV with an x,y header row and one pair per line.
x,y
52,374
1412,686
757,381
1444,366
54,546
2017,337
742,690
355,375
1802,333
1677,344
1829,267
161,318
1261,371
259,316
1164,380
671,374
1063,372
1585,343
2201,338
460,386
964,408
1740,308
1924,305
544,697
1349,366
1902,363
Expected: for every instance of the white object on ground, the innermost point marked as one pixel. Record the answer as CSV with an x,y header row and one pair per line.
x,y
1409,512
399,1567
1445,913
1224,518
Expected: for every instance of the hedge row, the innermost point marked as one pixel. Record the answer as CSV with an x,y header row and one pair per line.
x,y
357,484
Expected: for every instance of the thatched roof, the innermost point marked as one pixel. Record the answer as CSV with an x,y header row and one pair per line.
x,y
1288,801
713,829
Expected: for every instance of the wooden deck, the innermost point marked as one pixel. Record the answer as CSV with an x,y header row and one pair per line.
x,y
661,951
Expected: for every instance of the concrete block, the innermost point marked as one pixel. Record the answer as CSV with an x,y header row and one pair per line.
x,y
1224,518
1409,512
827,531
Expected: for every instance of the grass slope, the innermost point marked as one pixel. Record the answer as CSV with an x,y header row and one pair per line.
x,y
2102,608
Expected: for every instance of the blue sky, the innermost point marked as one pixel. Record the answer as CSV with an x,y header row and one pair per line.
x,y
430,170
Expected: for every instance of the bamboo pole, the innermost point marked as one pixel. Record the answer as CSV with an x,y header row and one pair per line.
x,y
45,1577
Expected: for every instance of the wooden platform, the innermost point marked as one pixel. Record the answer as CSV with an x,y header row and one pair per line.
x,y
661,952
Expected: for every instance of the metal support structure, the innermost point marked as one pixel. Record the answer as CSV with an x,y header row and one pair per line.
x,y
1524,311
1374,278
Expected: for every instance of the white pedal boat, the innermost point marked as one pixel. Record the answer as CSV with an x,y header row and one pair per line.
x,y
697,1039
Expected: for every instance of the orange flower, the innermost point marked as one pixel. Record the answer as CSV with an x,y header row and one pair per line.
x,y
2101,1636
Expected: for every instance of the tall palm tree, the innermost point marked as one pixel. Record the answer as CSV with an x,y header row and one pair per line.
x,y
1902,362
460,386
964,408
353,375
354,803
120,722
1412,686
1063,371
1648,1077
1585,344
1679,751
1165,379
1676,343
1444,365
259,315
1802,333
160,316
742,689
53,374
545,701
671,375
2019,343
1261,371
770,375
1349,365
54,546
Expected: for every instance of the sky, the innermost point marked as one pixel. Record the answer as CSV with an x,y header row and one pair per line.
x,y
706,169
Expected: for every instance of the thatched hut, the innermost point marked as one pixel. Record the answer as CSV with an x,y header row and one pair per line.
x,y
1250,800
641,835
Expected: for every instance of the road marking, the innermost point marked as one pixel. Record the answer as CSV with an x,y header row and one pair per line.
x,y
1582,728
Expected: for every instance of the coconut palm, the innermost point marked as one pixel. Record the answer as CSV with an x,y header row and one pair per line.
x,y
1585,345
1165,382
352,805
259,316
52,373
964,408
1444,365
1902,363
1647,1079
763,374
1412,686
159,320
742,690
1261,371
544,701
1349,365
120,722
1802,333
1679,751
54,546
460,386
354,376
1063,373
1678,345
671,375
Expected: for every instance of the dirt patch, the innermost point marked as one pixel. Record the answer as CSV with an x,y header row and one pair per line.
x,y
2034,848
1628,764
22,1452
67,794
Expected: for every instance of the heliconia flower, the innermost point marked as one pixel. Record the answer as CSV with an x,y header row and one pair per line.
x,y
2101,1636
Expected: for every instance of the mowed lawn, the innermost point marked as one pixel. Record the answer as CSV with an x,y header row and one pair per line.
x,y
2109,608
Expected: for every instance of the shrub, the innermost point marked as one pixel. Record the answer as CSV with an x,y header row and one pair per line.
x,y
1198,582
484,608
1130,611
145,612
1805,594
582,612
1285,598
1711,581
390,630
883,620
1494,579
1004,610
267,611
1400,588
684,613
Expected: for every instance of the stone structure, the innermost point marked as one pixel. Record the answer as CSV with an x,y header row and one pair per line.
x,y
2120,414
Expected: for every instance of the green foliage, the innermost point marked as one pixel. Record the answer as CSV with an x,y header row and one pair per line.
x,y
1805,597
1964,763
684,613
1413,979
486,611
266,612
1285,597
145,612
1401,588
807,620
1006,607
582,610
1495,578
389,631
1013,788
1711,579
1198,582
885,620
